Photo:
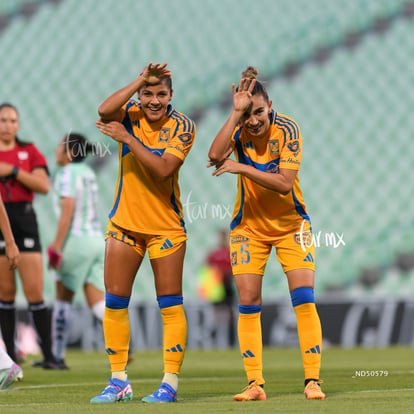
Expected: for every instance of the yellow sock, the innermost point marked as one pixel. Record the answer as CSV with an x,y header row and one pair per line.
x,y
174,337
310,338
116,332
249,330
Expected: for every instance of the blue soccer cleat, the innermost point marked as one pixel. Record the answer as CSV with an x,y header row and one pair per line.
x,y
10,375
117,390
164,394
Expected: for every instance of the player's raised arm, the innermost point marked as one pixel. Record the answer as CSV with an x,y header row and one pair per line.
x,y
241,100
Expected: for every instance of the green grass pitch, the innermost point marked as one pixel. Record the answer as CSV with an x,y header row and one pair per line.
x,y
356,381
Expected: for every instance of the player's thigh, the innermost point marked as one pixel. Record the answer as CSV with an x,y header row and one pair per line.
x,y
168,271
7,281
31,276
63,293
121,266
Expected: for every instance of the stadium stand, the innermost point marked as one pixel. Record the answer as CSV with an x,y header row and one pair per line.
x,y
340,71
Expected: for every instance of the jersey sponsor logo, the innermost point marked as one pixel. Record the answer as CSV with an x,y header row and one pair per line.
x,y
294,147
274,147
239,239
29,243
158,152
164,135
22,155
272,167
290,161
185,138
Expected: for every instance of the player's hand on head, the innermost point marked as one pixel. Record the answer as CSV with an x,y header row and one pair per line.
x,y
115,130
242,97
153,74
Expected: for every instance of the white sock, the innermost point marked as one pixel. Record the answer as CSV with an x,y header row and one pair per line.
x,y
60,328
122,375
5,361
98,309
171,379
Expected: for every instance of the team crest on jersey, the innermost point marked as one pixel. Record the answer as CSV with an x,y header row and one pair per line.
x,y
294,147
303,238
274,147
22,155
239,239
164,135
248,144
185,138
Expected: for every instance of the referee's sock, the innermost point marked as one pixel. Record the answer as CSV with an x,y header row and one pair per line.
x,y
41,320
8,326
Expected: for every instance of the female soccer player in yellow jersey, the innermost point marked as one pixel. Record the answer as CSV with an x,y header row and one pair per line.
x,y
154,140
269,211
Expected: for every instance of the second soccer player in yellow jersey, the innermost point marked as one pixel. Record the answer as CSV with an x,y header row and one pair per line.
x,y
269,212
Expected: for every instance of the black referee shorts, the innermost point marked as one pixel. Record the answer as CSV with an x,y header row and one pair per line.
x,y
23,222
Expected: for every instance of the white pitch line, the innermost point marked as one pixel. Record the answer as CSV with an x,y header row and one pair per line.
x,y
136,381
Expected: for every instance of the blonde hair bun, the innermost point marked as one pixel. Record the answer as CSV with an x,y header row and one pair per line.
x,y
250,73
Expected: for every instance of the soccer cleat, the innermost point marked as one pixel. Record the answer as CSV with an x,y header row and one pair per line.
x,y
253,392
61,364
313,391
117,390
45,364
164,394
10,375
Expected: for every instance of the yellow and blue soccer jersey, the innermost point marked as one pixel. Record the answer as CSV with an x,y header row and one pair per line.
x,y
141,203
258,211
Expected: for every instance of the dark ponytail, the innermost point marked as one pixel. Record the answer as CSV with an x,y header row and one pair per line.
x,y
78,147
